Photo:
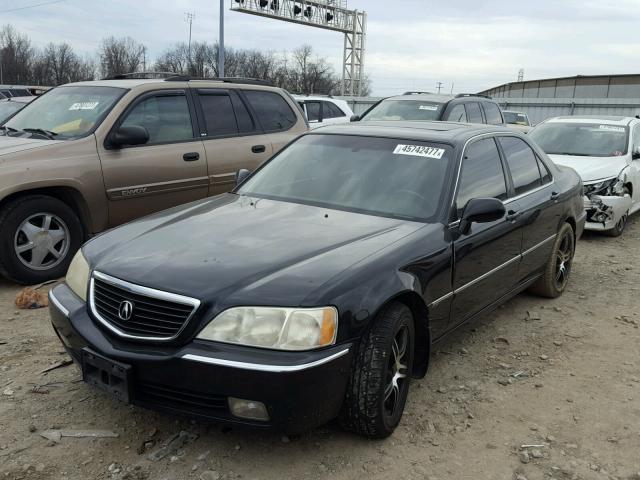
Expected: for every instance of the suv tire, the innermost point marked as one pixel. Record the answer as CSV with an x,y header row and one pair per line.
x,y
380,375
38,237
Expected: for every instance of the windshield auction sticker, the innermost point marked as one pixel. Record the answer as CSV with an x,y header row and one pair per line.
x,y
432,108
612,128
84,106
419,151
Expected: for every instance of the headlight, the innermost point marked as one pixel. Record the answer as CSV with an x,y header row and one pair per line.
x,y
78,275
613,186
278,328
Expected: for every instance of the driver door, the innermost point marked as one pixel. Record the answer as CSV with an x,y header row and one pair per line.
x,y
170,169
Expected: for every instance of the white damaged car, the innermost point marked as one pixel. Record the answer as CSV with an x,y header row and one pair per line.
x,y
605,151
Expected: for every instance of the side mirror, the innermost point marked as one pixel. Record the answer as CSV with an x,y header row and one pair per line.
x,y
354,118
129,136
481,210
241,176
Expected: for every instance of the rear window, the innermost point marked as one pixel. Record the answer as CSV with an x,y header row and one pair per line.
x,y
273,112
418,110
218,115
492,112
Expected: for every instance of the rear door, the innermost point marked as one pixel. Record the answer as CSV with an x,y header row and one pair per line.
x,y
536,195
170,169
231,137
486,259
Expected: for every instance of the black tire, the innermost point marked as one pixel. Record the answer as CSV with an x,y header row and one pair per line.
x,y
619,228
368,408
558,268
14,265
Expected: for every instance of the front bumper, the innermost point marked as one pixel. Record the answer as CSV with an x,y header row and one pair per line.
x,y
604,212
301,390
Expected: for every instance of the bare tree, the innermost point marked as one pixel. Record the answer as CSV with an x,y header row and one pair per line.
x,y
16,56
120,55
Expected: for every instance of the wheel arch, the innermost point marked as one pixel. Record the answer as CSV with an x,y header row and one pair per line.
x,y
68,195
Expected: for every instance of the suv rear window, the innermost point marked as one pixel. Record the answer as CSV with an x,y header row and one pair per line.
x,y
218,113
474,115
273,112
492,112
419,110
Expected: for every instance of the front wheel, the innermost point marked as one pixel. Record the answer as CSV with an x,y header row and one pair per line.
x,y
558,268
379,382
620,226
38,237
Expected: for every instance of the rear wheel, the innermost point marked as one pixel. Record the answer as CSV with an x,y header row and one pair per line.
x,y
558,268
379,382
38,237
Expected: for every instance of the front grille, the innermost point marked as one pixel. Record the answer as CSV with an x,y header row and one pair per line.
x,y
185,401
154,315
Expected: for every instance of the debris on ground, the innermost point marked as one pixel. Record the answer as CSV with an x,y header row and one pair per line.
x,y
28,298
172,445
60,364
56,435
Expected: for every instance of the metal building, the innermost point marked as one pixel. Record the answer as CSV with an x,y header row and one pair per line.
x,y
580,95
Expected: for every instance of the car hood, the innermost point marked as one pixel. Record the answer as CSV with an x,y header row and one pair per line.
x,y
592,168
10,145
237,249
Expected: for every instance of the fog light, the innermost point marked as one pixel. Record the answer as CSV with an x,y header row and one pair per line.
x,y
248,409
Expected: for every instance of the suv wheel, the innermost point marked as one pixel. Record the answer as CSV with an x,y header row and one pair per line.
x,y
381,373
38,237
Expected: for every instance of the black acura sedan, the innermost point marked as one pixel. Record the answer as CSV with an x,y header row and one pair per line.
x,y
316,289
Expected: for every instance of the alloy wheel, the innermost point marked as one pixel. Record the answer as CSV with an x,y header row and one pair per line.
x,y
42,241
396,377
564,257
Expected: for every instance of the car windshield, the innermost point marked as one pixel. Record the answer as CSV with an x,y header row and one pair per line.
x,y
9,108
66,113
420,110
581,139
515,118
379,176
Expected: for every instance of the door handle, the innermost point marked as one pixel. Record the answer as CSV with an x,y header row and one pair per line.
x,y
512,215
191,157
258,149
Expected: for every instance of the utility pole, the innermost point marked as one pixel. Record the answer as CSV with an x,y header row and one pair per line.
x,y
144,59
221,42
439,86
452,84
190,17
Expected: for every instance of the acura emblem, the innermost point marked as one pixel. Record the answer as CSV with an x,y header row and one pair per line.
x,y
125,310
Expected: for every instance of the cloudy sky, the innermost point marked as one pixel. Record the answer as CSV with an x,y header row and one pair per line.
x,y
411,44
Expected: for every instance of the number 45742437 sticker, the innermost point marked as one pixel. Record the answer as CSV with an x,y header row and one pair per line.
x,y
419,151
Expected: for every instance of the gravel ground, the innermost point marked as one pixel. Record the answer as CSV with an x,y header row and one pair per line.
x,y
562,375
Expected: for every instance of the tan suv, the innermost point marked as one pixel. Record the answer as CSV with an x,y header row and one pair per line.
x,y
91,155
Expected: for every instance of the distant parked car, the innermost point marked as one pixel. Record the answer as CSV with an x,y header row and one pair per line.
x,y
102,153
10,106
317,288
424,106
321,111
9,91
605,151
517,120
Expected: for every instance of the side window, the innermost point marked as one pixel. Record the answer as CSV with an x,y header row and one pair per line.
x,y
544,172
313,111
474,115
482,175
273,112
166,118
636,137
492,112
218,115
523,164
246,124
457,114
330,110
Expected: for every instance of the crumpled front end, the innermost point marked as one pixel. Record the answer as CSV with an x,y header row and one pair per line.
x,y
606,203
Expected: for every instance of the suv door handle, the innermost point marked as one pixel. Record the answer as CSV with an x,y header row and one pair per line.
x,y
512,215
191,157
258,149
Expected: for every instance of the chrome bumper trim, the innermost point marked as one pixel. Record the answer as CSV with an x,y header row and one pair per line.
x,y
58,305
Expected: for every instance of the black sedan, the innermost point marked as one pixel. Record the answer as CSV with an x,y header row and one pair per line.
x,y
317,288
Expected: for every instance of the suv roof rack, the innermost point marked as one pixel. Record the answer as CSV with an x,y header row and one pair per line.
x,y
416,93
140,76
240,80
473,95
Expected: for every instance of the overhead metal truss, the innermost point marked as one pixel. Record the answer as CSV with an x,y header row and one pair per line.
x,y
328,14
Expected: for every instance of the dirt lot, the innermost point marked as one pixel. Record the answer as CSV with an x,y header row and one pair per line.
x,y
562,374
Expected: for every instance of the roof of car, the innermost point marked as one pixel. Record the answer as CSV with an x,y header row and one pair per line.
x,y
446,132
130,83
607,119
18,99
431,97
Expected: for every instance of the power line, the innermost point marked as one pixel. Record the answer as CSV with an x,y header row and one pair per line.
x,y
32,6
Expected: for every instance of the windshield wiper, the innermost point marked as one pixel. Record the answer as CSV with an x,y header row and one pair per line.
x,y
7,129
46,133
569,154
